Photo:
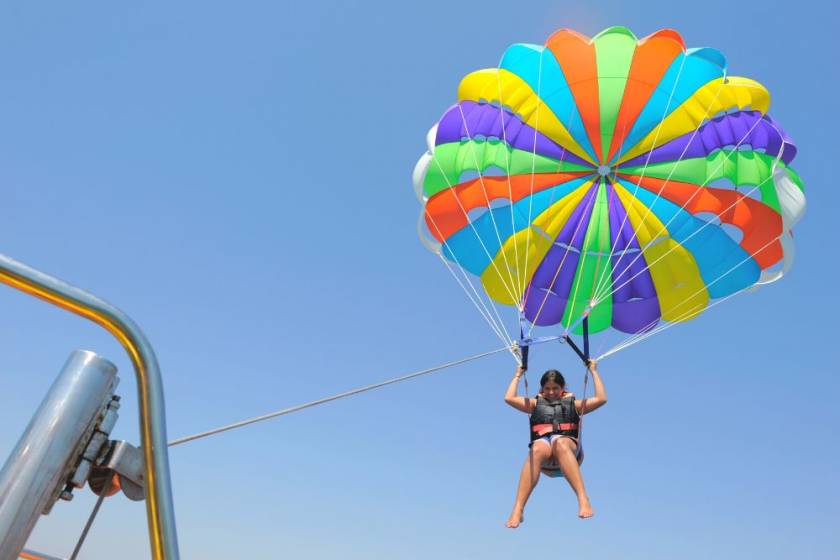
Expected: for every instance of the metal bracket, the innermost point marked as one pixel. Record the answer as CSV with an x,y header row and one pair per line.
x,y
87,452
97,443
90,449
123,460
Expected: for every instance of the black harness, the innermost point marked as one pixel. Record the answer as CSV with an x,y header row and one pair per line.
x,y
558,417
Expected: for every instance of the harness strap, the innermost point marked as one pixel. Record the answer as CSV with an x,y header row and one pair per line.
x,y
543,429
586,338
582,354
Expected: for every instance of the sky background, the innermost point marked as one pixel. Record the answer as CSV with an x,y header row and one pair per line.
x,y
236,177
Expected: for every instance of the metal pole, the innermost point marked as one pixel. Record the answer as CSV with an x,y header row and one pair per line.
x,y
36,470
160,512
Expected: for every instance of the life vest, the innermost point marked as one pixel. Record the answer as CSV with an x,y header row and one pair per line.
x,y
554,417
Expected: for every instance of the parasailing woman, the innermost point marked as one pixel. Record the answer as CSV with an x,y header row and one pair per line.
x,y
555,448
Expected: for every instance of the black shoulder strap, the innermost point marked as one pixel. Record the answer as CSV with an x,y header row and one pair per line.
x,y
582,354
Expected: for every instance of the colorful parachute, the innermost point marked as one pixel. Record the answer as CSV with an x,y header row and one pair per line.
x,y
628,180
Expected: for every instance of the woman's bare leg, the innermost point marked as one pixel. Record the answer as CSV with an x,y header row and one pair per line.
x,y
528,479
564,453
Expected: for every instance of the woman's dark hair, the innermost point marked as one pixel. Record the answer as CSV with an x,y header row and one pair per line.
x,y
552,375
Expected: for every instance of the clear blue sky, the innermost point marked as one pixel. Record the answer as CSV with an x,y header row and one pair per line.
x,y
237,178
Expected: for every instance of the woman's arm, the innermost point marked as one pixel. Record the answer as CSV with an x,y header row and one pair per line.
x,y
519,403
599,399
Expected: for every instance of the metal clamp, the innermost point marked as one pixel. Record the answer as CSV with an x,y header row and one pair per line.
x,y
125,462
95,447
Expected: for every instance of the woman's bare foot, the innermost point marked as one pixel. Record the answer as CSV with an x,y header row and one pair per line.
x,y
515,519
585,508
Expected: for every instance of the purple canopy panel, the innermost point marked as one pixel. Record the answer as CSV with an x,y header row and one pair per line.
x,y
549,288
779,140
637,316
553,306
470,119
635,304
744,128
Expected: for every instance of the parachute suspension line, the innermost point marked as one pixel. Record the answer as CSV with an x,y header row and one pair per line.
x,y
593,288
527,292
583,404
475,231
485,313
560,267
573,300
645,166
683,206
648,208
648,330
498,328
681,244
489,208
584,317
598,273
338,396
520,286
647,160
632,339
644,335
531,188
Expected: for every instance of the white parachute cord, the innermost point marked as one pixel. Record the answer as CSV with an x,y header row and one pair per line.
x,y
498,328
551,200
562,261
647,160
664,228
648,208
583,254
591,297
489,207
490,321
642,332
545,298
520,286
690,312
533,170
475,231
655,140
680,243
738,201
645,336
583,407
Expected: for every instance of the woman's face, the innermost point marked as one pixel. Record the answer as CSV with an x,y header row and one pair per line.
x,y
552,390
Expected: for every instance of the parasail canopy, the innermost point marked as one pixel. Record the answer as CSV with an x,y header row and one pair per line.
x,y
631,181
